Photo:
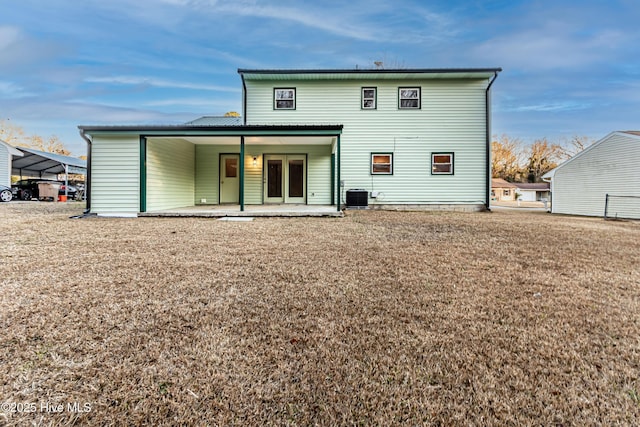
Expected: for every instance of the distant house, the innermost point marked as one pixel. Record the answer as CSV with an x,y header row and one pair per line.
x,y
503,191
533,192
611,166
307,137
7,152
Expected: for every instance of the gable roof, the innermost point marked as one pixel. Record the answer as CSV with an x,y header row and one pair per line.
x,y
11,149
629,133
382,74
501,183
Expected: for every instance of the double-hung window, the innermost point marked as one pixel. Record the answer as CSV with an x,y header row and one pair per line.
x,y
442,163
284,99
369,98
381,164
409,98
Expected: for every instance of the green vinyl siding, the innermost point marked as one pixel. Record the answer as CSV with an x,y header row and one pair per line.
x,y
208,171
451,119
170,173
115,174
318,171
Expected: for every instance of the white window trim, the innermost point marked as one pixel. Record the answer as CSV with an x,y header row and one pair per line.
x,y
450,163
275,98
400,98
374,99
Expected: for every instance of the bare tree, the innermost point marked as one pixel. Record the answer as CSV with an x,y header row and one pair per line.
x,y
506,158
573,146
542,156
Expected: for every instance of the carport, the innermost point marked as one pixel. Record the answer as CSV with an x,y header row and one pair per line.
x,y
41,164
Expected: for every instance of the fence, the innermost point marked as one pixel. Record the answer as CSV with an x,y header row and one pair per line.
x,y
627,207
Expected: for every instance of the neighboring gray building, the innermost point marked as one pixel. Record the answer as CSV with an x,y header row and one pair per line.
x,y
611,166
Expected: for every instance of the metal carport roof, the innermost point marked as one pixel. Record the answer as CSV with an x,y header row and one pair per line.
x,y
39,163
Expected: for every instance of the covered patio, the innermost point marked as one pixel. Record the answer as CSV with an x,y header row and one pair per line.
x,y
204,170
219,211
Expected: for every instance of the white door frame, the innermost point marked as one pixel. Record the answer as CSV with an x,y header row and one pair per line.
x,y
229,185
285,177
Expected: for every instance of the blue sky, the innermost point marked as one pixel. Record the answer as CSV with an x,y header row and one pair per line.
x,y
570,67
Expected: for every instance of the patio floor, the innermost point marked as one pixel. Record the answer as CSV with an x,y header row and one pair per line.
x,y
218,211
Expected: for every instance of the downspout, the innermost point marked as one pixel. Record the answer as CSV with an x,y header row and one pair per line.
x,y
487,117
244,100
87,184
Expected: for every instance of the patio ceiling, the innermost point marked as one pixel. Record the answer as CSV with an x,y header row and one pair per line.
x,y
252,140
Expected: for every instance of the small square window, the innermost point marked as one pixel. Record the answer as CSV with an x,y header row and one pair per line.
x,y
409,97
442,163
284,99
369,98
506,193
382,164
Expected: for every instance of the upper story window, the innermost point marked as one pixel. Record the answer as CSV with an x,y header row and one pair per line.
x,y
409,97
369,98
284,99
442,163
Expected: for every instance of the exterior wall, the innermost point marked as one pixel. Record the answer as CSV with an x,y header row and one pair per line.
x,y
451,119
580,185
527,195
115,174
499,194
208,171
207,164
170,174
5,166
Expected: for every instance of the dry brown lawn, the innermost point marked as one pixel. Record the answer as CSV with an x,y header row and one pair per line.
x,y
378,318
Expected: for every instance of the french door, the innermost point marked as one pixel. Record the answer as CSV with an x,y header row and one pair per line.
x,y
285,178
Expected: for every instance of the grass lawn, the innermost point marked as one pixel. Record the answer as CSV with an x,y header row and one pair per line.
x,y
378,318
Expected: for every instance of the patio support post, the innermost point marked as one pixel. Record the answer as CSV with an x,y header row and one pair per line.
x,y
241,170
338,175
143,174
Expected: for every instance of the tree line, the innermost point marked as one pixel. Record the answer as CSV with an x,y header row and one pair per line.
x,y
15,135
515,161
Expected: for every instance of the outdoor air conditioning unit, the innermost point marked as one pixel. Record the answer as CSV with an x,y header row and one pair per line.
x,y
357,198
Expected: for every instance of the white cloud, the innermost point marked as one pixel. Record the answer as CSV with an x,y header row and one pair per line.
x,y
134,80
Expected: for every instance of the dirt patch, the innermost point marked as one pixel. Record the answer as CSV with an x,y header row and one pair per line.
x,y
503,318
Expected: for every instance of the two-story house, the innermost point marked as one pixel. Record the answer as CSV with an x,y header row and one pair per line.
x,y
306,137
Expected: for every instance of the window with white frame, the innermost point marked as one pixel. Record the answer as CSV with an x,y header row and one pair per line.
x,y
381,164
506,192
284,98
409,97
369,98
442,163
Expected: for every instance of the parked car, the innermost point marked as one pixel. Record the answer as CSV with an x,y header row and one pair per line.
x,y
27,189
5,193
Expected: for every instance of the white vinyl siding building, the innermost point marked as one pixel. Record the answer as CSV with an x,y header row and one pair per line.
x,y
610,166
6,155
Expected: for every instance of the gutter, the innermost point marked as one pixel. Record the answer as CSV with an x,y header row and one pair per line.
x,y
87,184
487,118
